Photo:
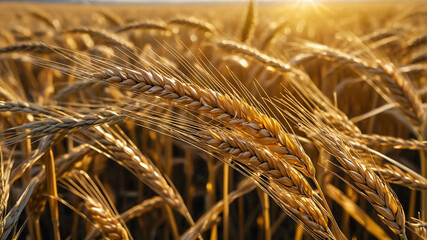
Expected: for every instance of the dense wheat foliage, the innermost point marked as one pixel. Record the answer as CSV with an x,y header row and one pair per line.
x,y
251,121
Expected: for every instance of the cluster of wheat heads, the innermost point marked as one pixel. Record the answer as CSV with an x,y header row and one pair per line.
x,y
213,122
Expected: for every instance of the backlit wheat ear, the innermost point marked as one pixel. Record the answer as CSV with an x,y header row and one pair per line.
x,y
419,227
393,174
12,217
305,211
140,165
347,127
145,206
400,88
220,107
257,55
264,161
101,210
148,25
108,37
63,165
249,23
368,184
193,23
114,19
275,31
337,121
44,17
386,141
67,125
371,187
35,47
5,169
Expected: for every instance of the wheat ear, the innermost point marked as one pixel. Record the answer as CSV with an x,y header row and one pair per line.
x,y
44,17
35,47
67,125
111,17
5,169
103,215
139,165
386,141
395,175
249,23
371,187
155,25
14,213
106,36
193,22
419,227
139,209
220,107
250,154
63,164
401,89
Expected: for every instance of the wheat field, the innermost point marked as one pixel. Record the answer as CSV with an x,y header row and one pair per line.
x,y
303,120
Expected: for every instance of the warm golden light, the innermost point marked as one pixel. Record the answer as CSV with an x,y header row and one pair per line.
x,y
306,1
